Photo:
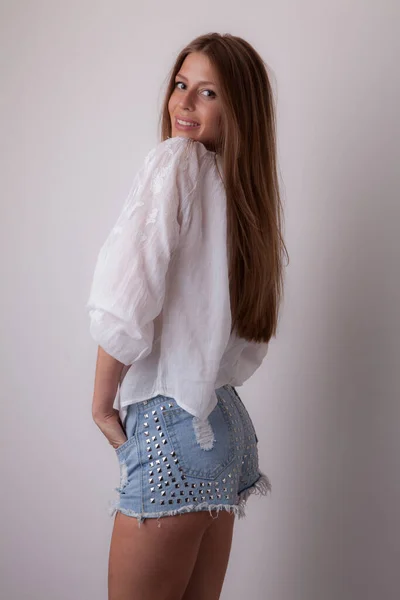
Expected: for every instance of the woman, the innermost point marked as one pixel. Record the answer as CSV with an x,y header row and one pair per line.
x,y
184,301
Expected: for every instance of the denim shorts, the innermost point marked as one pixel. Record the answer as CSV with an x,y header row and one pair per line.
x,y
173,462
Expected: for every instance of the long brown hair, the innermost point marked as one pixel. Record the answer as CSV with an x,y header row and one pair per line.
x,y
247,145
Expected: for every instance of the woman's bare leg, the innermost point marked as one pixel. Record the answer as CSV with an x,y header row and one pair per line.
x,y
209,571
152,561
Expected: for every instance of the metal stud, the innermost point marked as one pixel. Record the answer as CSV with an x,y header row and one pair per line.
x,y
153,412
149,456
145,424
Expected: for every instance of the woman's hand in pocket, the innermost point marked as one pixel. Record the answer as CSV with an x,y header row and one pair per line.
x,y
110,425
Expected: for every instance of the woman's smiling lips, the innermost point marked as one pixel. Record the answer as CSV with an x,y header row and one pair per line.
x,y
185,124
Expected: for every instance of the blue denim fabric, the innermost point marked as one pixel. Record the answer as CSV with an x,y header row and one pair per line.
x,y
173,463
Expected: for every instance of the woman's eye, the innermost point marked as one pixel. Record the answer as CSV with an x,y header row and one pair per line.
x,y
211,93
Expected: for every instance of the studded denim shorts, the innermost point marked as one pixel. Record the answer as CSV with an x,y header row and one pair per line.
x,y
173,462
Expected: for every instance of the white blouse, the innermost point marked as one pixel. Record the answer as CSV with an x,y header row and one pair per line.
x,y
159,301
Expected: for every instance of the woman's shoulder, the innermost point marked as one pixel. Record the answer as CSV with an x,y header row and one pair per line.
x,y
178,157
180,142
179,146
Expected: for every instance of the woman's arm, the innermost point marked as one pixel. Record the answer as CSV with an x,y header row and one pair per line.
x,y
107,378
129,282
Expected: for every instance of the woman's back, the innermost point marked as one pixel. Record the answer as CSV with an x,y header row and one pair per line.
x,y
166,307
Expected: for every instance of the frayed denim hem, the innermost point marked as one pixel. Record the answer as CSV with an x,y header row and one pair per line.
x,y
235,508
261,487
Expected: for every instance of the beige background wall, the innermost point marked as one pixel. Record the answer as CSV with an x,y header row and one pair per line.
x,y
81,84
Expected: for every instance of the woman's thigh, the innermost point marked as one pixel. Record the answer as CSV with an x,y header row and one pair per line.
x,y
150,562
207,578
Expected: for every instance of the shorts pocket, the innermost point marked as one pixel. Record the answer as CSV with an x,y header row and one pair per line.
x,y
131,423
193,458
120,450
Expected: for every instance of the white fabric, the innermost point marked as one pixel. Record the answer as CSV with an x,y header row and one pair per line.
x,y
159,301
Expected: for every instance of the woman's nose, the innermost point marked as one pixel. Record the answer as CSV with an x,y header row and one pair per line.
x,y
187,101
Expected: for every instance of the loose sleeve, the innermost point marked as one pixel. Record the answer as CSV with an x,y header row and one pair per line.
x,y
128,285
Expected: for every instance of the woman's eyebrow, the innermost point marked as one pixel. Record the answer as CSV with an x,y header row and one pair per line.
x,y
200,82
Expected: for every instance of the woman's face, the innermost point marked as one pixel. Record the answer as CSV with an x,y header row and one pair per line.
x,y
195,100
